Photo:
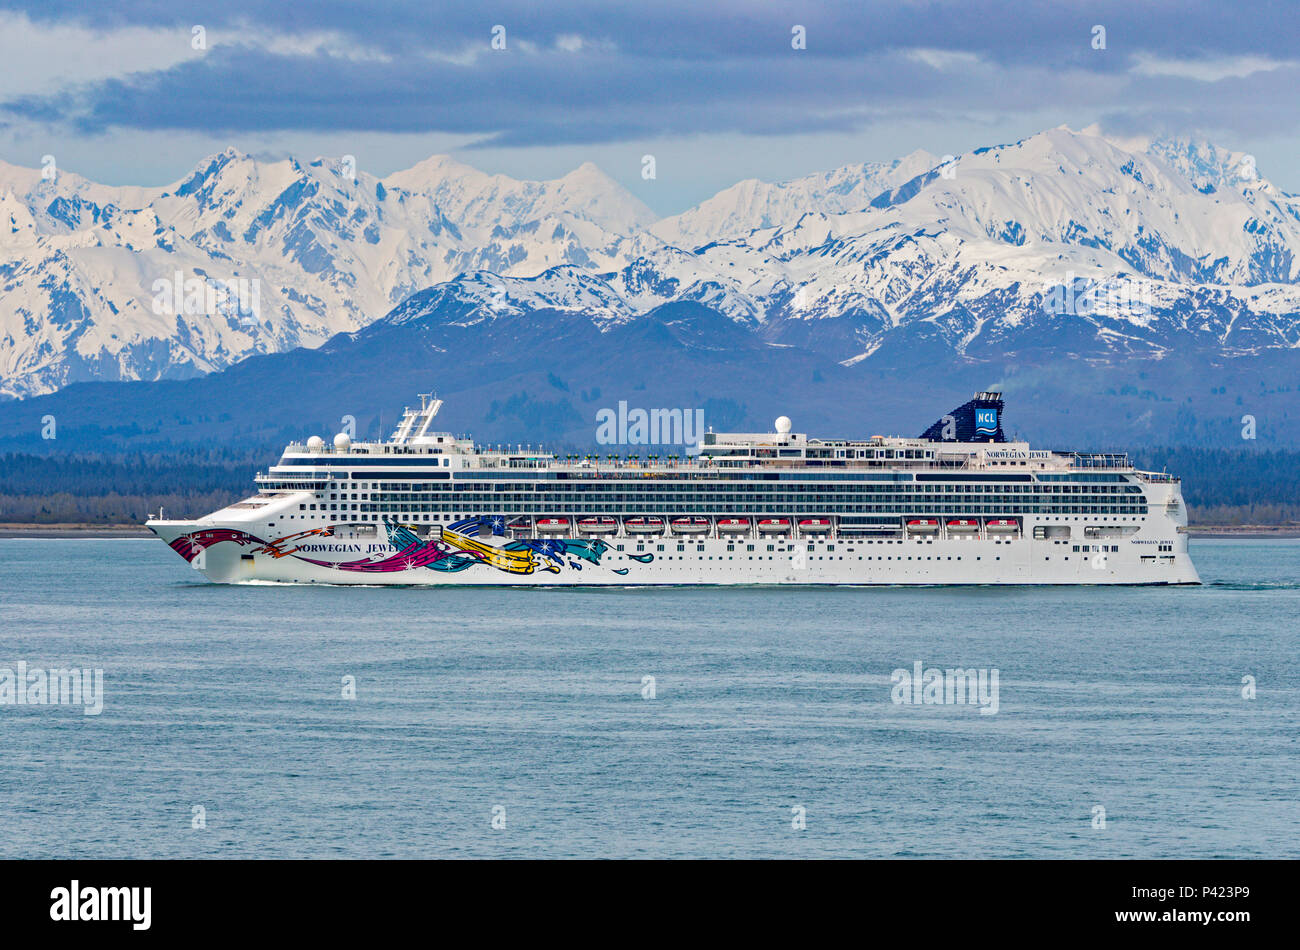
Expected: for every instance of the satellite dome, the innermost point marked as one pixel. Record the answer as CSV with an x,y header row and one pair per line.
x,y
783,425
315,443
342,442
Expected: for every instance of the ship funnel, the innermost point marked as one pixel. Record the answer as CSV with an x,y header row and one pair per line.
x,y
979,420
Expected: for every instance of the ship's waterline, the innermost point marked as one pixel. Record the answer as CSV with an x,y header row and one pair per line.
x,y
958,505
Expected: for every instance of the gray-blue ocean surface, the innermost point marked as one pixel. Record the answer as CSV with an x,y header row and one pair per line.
x,y
528,705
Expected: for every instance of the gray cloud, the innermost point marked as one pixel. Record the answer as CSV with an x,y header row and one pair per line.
x,y
1038,31
677,69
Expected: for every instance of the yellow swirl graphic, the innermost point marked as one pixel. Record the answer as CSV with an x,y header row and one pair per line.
x,y
513,562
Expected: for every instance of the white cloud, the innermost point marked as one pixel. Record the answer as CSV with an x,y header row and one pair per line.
x,y
306,44
41,58
944,59
1213,69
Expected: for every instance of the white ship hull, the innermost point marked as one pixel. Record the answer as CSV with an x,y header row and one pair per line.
x,y
721,561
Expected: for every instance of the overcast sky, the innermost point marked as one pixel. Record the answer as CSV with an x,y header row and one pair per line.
x,y
715,90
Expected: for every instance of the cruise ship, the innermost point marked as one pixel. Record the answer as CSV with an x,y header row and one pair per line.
x,y
960,504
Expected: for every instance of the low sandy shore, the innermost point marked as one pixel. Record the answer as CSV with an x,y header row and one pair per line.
x,y
74,531
1245,531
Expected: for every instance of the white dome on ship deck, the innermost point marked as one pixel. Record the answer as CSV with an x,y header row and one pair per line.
x,y
342,442
783,425
315,443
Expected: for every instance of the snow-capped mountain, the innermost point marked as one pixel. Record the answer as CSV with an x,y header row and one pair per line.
x,y
754,205
1065,243
990,251
244,256
482,296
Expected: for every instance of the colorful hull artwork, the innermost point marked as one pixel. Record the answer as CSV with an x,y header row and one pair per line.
x,y
452,551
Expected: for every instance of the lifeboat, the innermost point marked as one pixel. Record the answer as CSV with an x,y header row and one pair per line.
x,y
814,525
519,524
598,525
690,525
923,525
1002,525
643,525
733,525
774,525
552,525
963,526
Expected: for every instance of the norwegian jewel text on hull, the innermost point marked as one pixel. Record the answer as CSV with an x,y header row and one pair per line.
x,y
958,505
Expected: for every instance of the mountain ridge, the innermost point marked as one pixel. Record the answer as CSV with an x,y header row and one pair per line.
x,y
1064,240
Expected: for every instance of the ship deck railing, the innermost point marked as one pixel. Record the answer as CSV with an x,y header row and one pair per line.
x,y
606,467
1097,460
1158,477
697,465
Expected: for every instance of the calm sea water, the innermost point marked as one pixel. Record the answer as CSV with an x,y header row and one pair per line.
x,y
528,704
